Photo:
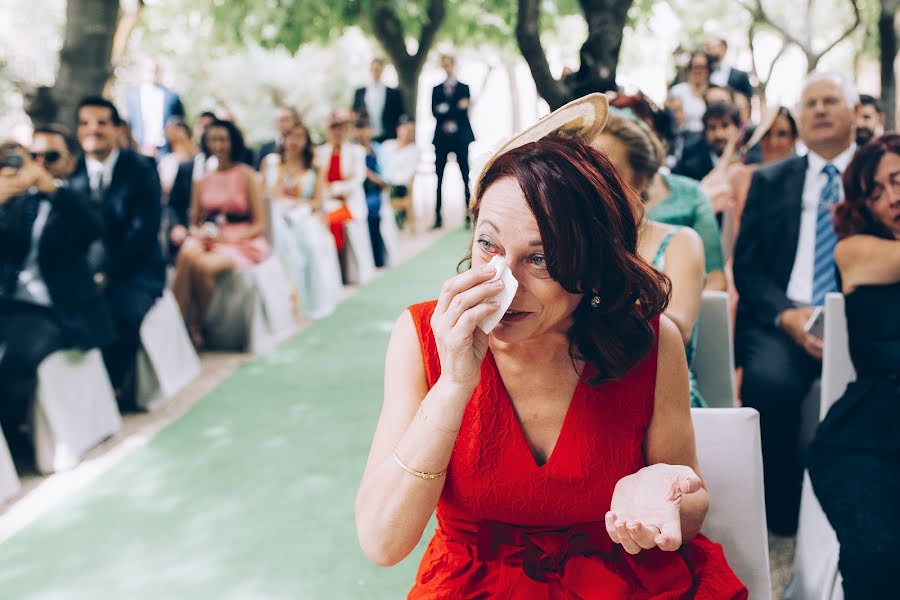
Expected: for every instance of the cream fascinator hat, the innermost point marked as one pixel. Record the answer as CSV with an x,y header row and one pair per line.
x,y
581,119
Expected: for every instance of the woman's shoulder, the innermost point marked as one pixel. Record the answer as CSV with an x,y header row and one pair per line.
x,y
683,188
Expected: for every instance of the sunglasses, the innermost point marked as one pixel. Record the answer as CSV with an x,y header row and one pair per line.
x,y
50,156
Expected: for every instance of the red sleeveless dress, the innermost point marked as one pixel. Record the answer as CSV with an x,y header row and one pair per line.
x,y
510,529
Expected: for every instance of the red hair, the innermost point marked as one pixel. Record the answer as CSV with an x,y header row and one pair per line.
x,y
588,219
852,216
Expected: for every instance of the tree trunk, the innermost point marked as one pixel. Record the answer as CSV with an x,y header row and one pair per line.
x,y
887,41
84,61
599,54
388,30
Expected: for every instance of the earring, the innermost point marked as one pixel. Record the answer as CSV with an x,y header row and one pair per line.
x,y
595,299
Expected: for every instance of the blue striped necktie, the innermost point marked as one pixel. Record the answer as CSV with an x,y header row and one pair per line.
x,y
824,279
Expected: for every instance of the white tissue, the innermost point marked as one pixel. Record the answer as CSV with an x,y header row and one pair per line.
x,y
505,297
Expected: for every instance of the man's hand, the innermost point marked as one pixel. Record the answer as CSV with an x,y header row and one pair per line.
x,y
793,321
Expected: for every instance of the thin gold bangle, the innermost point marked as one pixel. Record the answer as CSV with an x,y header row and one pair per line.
x,y
435,425
419,474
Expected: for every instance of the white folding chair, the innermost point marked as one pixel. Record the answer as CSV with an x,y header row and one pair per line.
x,y
360,262
730,456
75,408
816,575
714,352
251,309
166,361
9,479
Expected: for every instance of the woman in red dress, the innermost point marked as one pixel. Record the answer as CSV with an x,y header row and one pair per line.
x,y
558,450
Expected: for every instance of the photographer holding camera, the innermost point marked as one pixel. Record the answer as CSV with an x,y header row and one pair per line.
x,y
48,299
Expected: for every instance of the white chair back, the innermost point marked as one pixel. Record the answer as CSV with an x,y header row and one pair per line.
x,y
75,409
278,322
166,361
360,262
714,352
730,456
816,575
9,479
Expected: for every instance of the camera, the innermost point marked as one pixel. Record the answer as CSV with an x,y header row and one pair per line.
x,y
11,160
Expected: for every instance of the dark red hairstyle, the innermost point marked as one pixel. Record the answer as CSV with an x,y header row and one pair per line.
x,y
852,216
589,219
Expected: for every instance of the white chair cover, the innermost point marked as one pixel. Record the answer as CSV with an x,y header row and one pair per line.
x,y
714,352
360,262
730,456
166,361
75,409
251,309
815,573
389,232
9,479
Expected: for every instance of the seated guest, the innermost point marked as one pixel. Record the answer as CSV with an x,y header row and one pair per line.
x,y
373,187
285,119
676,251
182,150
783,268
294,174
675,145
227,227
691,92
128,262
342,170
721,123
869,119
399,159
854,461
54,149
557,450
48,299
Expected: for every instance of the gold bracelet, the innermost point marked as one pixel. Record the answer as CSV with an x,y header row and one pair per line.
x,y
419,474
435,425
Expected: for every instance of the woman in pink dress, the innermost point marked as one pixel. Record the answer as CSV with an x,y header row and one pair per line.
x,y
227,226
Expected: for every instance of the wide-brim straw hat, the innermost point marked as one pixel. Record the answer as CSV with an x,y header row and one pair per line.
x,y
764,126
582,119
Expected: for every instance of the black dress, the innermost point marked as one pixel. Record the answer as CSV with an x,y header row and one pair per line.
x,y
854,461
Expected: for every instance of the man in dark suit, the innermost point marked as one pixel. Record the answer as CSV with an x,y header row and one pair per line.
x,y
286,118
149,107
381,105
453,132
129,262
48,299
783,267
702,152
723,74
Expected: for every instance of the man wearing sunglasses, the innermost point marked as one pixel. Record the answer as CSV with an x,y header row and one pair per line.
x,y
54,149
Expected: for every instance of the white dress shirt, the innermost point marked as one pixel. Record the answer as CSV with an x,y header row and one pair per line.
x,y
152,107
97,169
376,94
800,287
719,77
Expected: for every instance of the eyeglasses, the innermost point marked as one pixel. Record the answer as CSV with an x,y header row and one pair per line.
x,y
51,156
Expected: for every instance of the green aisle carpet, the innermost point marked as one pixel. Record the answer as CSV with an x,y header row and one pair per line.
x,y
250,495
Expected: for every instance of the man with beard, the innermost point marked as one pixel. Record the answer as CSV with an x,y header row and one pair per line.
x,y
869,120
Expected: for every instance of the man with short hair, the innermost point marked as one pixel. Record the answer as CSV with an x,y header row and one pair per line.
x,y
869,120
722,72
286,117
149,106
783,268
452,133
701,154
380,104
54,149
128,262
716,94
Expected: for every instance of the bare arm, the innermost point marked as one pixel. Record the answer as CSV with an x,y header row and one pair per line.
x,y
685,267
257,208
715,281
867,260
670,437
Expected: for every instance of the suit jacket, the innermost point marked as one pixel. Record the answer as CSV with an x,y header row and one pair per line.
x,y
696,160
72,225
172,107
130,220
390,115
767,242
446,110
739,81
264,150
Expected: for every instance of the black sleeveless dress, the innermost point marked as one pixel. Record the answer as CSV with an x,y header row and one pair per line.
x,y
854,461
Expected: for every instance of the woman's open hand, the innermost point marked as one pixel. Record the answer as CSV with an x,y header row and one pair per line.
x,y
646,507
463,304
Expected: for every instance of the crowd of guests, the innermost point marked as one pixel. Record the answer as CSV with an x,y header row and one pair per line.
x,y
90,222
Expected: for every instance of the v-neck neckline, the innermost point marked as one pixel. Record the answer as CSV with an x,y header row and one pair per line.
x,y
506,400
